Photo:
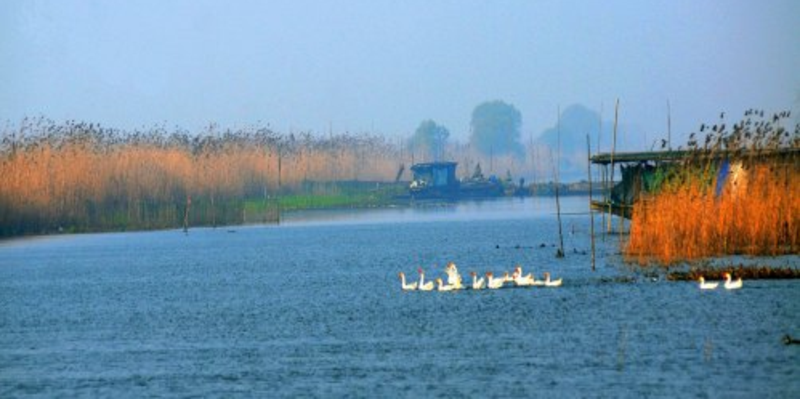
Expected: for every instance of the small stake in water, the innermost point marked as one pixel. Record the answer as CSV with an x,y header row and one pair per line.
x,y
560,252
186,214
591,214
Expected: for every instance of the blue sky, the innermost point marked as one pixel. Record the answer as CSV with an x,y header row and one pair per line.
x,y
384,66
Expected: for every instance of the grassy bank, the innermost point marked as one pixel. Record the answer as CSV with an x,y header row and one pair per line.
x,y
336,195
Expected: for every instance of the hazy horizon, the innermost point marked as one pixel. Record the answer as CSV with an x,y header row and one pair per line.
x,y
383,67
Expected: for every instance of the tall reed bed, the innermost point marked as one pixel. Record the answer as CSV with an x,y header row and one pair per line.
x,y
85,177
698,212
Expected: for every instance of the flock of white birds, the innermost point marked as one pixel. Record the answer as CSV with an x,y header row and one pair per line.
x,y
455,282
729,284
515,279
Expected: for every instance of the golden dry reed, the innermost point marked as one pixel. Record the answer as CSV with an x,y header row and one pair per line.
x,y
756,210
83,177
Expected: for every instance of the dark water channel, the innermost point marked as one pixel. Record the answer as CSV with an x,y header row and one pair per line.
x,y
313,308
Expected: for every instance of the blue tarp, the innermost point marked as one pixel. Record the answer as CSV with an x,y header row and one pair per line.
x,y
722,176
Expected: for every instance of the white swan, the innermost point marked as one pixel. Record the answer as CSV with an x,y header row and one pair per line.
x,y
453,278
477,283
423,286
494,283
707,286
442,287
551,283
732,285
521,280
404,286
518,274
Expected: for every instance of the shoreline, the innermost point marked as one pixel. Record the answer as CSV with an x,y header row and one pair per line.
x,y
291,204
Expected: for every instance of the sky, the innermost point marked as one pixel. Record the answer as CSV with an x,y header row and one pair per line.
x,y
382,66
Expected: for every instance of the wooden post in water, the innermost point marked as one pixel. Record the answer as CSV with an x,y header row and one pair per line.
x,y
591,214
560,253
279,193
603,186
611,180
603,171
186,214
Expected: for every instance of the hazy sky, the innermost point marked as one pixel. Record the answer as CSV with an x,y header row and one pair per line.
x,y
384,66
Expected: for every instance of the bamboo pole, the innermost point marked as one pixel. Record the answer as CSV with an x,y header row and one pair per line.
x,y
603,186
560,253
603,182
613,149
591,214
669,127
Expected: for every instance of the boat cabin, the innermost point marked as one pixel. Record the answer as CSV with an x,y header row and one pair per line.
x,y
434,180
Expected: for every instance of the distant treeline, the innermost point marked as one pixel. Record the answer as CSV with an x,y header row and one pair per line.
x,y
76,176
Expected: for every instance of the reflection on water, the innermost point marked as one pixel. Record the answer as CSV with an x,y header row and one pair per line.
x,y
493,209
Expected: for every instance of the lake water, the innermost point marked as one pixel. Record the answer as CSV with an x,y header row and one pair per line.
x,y
313,308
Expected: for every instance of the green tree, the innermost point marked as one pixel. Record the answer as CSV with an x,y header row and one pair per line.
x,y
496,128
431,138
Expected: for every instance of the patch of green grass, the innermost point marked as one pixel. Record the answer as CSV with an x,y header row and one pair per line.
x,y
339,198
304,201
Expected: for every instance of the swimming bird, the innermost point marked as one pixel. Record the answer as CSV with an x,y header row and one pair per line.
x,y
423,286
788,340
551,283
518,273
732,285
707,286
493,283
521,280
477,283
404,286
453,278
442,287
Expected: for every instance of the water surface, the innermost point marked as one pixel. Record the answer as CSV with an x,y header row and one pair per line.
x,y
313,308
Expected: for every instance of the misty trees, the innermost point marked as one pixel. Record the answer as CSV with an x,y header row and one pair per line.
x,y
496,129
431,138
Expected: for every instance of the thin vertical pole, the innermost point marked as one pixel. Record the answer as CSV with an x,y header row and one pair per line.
x,y
603,188
589,170
560,253
186,214
669,126
613,149
603,171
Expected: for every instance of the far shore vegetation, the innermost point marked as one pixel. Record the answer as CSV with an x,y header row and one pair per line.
x,y
728,196
81,177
